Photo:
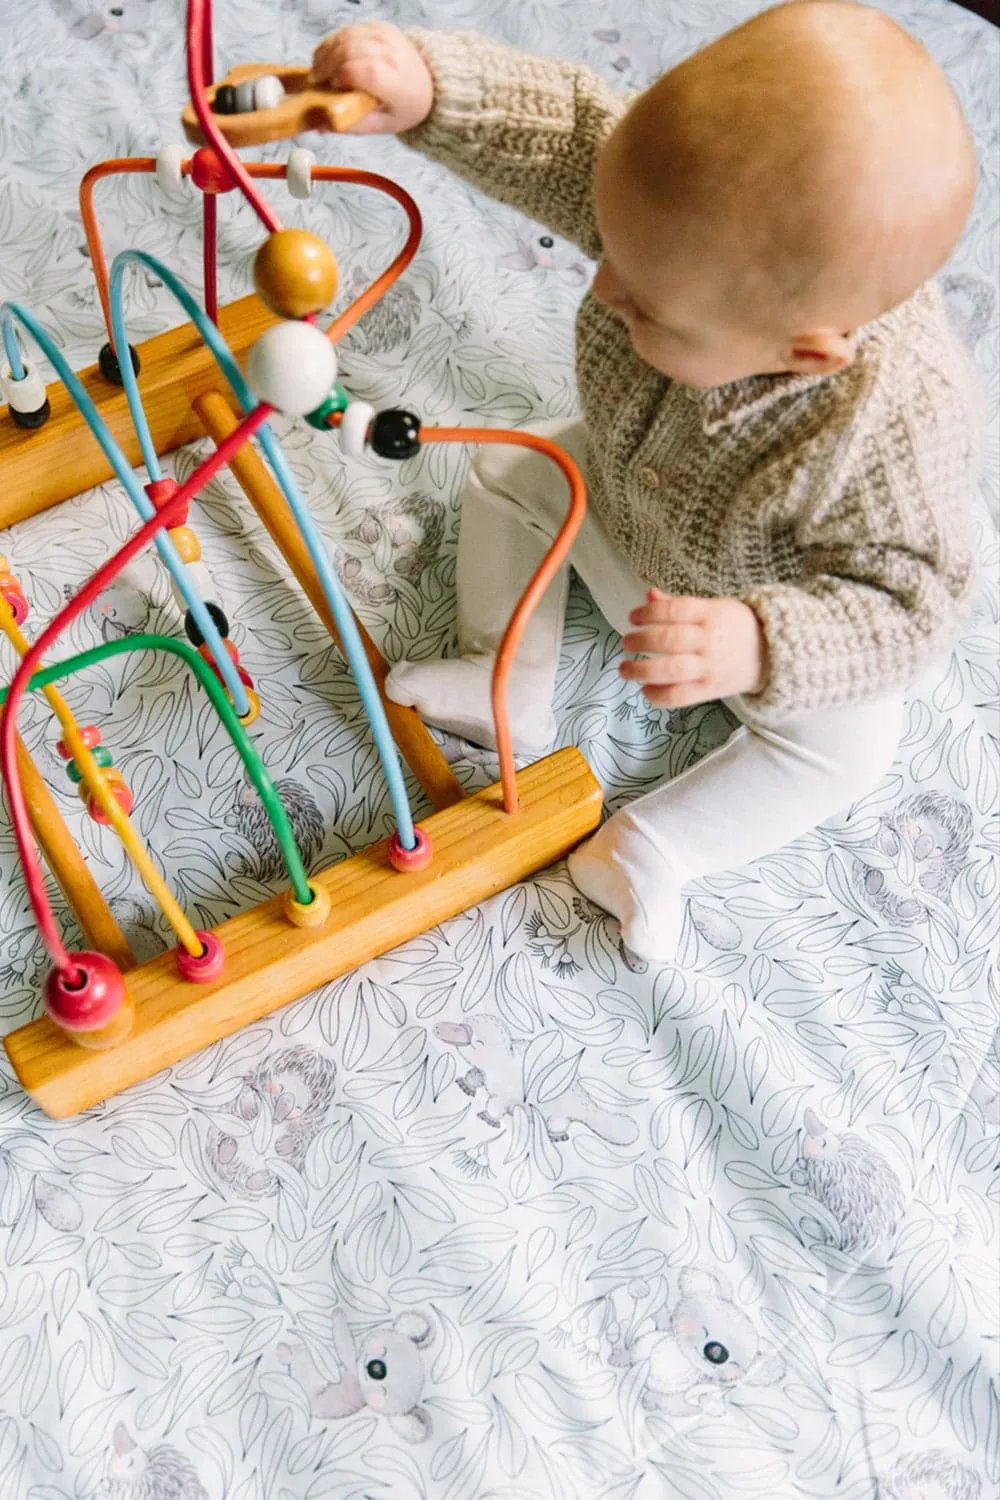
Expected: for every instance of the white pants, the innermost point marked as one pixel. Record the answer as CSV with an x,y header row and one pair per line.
x,y
775,778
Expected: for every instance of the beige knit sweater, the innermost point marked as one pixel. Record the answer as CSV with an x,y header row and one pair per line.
x,y
836,507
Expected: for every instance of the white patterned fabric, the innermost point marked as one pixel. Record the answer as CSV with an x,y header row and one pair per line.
x,y
506,1215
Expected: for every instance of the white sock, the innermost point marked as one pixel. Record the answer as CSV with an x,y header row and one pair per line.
x,y
454,694
619,869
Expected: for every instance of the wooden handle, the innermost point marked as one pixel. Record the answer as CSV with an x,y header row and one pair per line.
x,y
303,108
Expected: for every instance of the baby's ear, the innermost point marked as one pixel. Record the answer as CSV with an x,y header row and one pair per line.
x,y
820,352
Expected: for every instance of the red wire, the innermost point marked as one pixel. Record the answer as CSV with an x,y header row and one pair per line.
x,y
197,21
209,237
88,593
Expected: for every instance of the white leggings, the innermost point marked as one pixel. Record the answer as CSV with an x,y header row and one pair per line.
x,y
777,776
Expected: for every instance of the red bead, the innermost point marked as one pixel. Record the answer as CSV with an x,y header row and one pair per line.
x,y
408,861
86,997
12,593
210,173
205,652
208,965
121,793
162,490
91,736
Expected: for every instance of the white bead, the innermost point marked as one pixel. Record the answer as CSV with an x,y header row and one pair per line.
x,y
292,367
244,97
200,579
354,424
268,91
168,169
23,395
298,173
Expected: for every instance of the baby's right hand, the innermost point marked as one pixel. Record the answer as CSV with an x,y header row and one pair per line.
x,y
381,60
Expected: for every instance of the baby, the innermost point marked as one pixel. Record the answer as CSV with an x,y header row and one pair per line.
x,y
780,432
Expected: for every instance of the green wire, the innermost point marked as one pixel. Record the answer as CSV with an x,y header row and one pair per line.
x,y
255,768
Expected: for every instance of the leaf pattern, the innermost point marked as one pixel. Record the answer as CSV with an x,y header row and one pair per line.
x,y
508,1212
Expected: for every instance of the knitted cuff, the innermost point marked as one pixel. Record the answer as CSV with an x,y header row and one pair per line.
x,y
454,59
815,661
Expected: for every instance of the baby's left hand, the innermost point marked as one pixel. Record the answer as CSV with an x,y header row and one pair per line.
x,y
695,650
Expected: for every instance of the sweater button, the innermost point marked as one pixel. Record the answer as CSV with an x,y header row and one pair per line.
x,y
649,478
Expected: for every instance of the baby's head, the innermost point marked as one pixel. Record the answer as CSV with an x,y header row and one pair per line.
x,y
792,181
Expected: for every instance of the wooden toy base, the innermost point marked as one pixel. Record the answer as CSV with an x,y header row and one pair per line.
x,y
478,850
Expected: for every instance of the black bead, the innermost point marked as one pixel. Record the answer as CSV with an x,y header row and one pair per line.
x,y
110,368
224,102
194,635
395,433
36,418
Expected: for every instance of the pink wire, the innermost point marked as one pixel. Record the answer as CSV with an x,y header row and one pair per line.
x,y
95,586
197,22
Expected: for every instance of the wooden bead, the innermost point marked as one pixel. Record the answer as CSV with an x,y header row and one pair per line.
x,y
244,97
292,367
268,92
4,565
89,734
186,542
298,171
206,654
14,597
91,1005
295,273
169,169
354,425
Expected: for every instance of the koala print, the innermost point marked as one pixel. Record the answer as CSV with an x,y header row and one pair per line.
x,y
391,323
160,1473
541,251
971,303
699,1351
631,57
853,1181
934,1475
496,1065
92,20
122,609
383,1373
927,838
248,818
289,1095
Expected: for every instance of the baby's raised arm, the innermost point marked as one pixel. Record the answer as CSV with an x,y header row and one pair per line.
x,y
524,129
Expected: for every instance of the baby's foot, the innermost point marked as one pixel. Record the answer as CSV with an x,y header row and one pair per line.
x,y
620,870
455,696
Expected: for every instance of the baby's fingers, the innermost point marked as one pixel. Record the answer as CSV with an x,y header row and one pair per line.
x,y
663,640
664,670
663,609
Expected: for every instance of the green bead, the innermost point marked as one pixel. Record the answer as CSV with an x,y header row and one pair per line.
x,y
100,754
336,401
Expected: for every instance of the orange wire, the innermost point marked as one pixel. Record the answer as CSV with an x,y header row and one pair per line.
x,y
268,171
548,568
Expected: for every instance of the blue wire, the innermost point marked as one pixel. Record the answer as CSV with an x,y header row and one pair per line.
x,y
12,349
171,557
339,608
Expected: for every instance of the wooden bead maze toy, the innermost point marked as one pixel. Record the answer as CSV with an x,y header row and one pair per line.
x,y
109,1022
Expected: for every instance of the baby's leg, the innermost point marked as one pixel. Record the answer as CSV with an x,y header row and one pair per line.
x,y
513,504
773,780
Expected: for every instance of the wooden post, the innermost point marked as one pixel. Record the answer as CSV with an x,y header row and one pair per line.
x,y
69,867
409,731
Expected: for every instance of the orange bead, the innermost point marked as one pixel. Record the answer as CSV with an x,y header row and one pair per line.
x,y
295,273
186,543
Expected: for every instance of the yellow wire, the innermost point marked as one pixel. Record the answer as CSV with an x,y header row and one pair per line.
x,y
97,786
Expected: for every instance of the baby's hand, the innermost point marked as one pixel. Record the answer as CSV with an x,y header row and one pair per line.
x,y
695,650
381,60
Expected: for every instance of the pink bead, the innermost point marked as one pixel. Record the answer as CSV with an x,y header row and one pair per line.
x,y
87,999
208,965
121,793
11,591
91,736
408,861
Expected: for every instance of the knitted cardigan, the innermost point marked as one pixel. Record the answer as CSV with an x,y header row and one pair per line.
x,y
834,506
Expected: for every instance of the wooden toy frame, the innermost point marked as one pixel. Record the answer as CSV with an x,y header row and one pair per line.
x,y
479,849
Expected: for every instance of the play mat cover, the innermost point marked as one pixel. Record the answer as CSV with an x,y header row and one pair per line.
x,y
724,1229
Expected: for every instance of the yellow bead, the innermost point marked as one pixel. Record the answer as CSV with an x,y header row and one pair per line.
x,y
186,543
4,565
295,273
253,712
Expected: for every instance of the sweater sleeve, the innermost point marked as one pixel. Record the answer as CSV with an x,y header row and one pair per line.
x,y
525,129
865,614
